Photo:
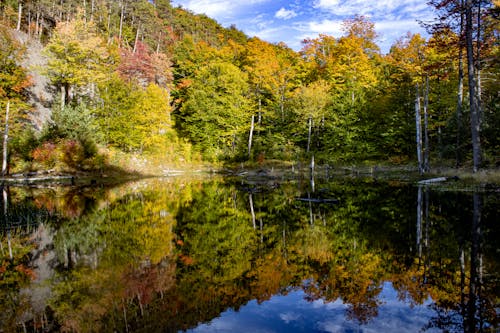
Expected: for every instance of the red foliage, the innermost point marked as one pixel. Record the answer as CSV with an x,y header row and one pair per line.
x,y
46,154
144,66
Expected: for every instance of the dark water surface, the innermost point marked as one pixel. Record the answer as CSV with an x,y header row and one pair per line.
x,y
249,255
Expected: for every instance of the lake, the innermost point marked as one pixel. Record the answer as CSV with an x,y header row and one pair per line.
x,y
250,254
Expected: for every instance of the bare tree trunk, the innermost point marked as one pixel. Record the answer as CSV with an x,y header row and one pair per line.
x,y
63,96
85,11
37,23
474,284
136,38
5,140
419,222
312,173
158,44
19,15
250,136
121,22
460,94
418,126
252,211
5,214
29,24
478,62
473,101
426,126
309,134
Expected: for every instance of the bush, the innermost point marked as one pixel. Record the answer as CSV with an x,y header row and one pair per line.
x,y
46,155
72,153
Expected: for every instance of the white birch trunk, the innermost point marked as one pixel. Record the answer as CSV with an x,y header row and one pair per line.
x,y
309,134
19,15
426,126
250,136
418,126
5,140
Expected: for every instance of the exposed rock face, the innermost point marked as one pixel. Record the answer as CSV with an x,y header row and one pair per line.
x,y
40,93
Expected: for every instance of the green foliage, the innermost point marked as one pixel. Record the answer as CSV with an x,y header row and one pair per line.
x,y
216,113
74,122
134,118
124,67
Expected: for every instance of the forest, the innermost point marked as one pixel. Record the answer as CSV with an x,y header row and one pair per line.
x,y
86,82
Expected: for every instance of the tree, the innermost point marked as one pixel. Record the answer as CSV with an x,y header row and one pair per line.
x,y
216,111
475,122
78,57
310,104
13,84
408,57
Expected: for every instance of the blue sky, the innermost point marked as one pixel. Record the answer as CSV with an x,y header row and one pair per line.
x,y
292,21
292,313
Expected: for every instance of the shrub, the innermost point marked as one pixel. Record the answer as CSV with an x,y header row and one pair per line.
x,y
46,155
72,153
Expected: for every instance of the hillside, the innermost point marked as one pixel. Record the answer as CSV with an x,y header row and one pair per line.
x,y
107,80
40,95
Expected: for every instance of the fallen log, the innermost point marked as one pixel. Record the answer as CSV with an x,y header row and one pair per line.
x,y
318,200
30,180
436,180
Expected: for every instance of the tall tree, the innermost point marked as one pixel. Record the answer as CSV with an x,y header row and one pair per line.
x,y
474,106
13,83
310,104
217,109
78,57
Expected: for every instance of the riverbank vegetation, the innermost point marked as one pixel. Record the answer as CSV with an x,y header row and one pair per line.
x,y
149,87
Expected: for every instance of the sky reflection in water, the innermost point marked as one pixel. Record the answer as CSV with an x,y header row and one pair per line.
x,y
293,313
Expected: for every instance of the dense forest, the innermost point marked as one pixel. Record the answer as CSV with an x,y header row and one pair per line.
x,y
146,78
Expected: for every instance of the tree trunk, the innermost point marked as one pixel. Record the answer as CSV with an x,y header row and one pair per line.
x,y
250,136
309,134
37,23
419,222
19,15
29,24
121,22
252,211
5,215
474,282
427,166
85,11
5,140
63,96
418,126
136,39
460,94
473,101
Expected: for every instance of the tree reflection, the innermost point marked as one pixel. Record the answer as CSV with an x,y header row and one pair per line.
x,y
165,255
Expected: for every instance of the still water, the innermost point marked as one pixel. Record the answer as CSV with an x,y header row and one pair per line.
x,y
249,255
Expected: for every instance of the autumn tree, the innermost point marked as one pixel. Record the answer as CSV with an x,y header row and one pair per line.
x,y
216,111
408,56
78,59
13,83
310,104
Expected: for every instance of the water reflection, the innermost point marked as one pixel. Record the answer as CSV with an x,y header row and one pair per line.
x,y
169,255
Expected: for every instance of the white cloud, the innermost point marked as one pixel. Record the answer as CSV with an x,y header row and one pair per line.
x,y
212,8
290,316
219,9
372,8
285,14
294,21
330,27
